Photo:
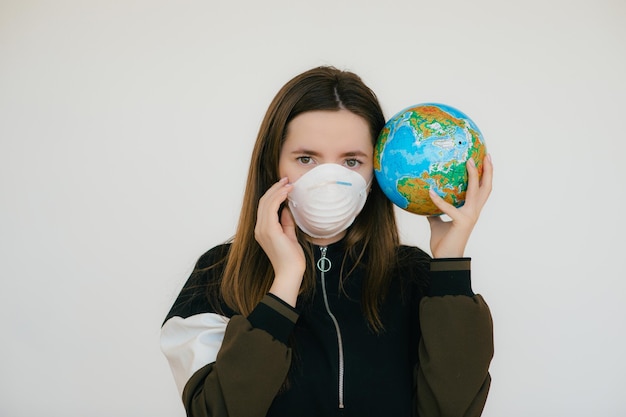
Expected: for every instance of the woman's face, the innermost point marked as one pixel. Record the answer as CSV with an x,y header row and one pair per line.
x,y
322,137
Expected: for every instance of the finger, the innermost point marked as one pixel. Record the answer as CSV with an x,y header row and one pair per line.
x,y
441,204
287,221
275,196
269,204
486,181
473,183
275,189
434,220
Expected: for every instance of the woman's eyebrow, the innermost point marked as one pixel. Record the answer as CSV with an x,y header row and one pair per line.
x,y
315,153
355,153
305,151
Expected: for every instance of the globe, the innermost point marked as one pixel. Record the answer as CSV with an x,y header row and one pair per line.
x,y
426,146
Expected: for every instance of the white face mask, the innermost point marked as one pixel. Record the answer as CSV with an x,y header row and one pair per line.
x,y
326,200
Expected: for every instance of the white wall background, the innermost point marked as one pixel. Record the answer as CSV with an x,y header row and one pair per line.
x,y
125,134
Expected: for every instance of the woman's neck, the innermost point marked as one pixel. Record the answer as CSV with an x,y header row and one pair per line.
x,y
327,241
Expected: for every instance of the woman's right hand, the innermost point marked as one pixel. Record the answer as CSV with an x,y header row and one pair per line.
x,y
276,234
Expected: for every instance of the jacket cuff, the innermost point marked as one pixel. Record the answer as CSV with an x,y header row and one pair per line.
x,y
275,317
450,276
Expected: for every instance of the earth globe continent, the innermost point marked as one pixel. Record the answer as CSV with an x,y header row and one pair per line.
x,y
426,146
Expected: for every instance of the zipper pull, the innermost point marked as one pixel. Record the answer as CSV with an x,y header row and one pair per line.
x,y
324,264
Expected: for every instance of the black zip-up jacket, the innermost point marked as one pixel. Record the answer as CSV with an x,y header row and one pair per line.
x,y
322,359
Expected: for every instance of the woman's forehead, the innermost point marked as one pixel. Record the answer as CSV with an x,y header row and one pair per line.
x,y
326,130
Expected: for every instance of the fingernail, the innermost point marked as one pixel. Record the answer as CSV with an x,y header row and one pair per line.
x,y
471,161
489,157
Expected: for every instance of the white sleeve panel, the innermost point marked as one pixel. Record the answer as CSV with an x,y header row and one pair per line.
x,y
190,344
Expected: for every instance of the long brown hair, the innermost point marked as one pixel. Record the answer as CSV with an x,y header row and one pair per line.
x,y
372,238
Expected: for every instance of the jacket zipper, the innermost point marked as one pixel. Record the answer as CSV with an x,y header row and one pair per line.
x,y
324,265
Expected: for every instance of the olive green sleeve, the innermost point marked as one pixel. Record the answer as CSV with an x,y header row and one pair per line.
x,y
455,352
456,345
249,370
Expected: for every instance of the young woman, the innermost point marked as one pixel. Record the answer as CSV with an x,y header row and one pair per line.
x,y
315,308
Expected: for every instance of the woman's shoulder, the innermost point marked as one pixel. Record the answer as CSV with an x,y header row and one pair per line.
x,y
413,266
213,257
407,255
200,293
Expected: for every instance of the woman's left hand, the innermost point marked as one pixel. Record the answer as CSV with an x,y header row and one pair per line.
x,y
448,239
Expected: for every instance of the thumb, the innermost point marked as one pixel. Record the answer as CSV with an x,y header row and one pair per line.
x,y
434,220
287,221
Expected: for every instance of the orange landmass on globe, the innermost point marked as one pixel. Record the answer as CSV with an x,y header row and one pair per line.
x,y
425,116
477,153
415,190
380,145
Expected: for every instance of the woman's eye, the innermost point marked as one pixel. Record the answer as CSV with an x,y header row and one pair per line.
x,y
305,160
353,163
